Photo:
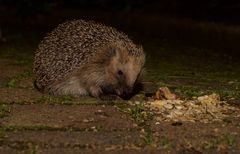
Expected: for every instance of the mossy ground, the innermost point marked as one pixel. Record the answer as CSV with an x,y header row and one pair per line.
x,y
187,70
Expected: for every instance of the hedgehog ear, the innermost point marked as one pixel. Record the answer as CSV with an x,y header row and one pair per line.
x,y
112,52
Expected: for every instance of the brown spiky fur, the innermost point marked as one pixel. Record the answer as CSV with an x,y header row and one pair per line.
x,y
84,58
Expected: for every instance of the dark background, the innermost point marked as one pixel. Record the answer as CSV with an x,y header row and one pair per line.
x,y
205,10
211,24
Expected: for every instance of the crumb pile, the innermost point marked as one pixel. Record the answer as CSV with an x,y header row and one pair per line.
x,y
208,108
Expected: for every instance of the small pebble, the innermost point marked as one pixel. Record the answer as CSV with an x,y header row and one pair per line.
x,y
178,107
168,106
137,102
178,112
99,111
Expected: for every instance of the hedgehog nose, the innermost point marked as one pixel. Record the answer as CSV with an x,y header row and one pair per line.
x,y
127,93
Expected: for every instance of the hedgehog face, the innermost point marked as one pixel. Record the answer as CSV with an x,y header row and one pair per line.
x,y
127,79
124,72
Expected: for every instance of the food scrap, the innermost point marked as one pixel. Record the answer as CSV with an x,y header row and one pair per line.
x,y
168,107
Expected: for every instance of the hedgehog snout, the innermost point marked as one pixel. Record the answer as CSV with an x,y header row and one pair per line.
x,y
125,92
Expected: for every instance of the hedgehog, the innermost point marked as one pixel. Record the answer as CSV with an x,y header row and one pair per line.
x,y
85,58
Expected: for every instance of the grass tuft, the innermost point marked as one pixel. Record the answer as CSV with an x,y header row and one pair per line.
x,y
12,83
4,110
137,113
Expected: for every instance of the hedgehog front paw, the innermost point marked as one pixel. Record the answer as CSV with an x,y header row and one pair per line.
x,y
95,91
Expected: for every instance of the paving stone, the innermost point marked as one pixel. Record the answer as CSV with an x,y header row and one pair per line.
x,y
26,83
74,139
63,142
73,150
199,136
10,95
100,151
93,117
8,150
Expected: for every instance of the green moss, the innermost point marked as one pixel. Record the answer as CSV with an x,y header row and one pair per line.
x,y
4,110
69,100
227,94
55,100
137,113
2,132
13,81
45,127
149,139
32,149
225,139
164,142
34,127
230,139
189,92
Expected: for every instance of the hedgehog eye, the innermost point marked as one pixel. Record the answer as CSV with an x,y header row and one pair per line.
x,y
120,72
